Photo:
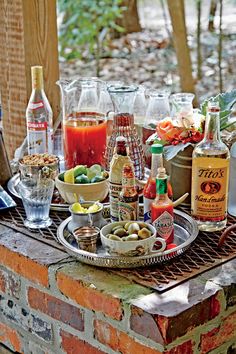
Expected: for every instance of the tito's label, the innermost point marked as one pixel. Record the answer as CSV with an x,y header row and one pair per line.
x,y
209,188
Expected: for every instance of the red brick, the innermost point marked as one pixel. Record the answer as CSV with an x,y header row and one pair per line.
x,y
56,308
119,341
73,345
177,326
10,338
219,335
89,297
184,348
28,257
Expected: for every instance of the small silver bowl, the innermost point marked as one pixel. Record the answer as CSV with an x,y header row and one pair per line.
x,y
86,238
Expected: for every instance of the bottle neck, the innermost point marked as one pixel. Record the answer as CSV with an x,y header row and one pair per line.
x,y
212,128
37,79
157,161
161,187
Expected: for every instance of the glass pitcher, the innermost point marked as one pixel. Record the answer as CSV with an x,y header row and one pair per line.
x,y
123,124
84,126
158,108
140,106
182,108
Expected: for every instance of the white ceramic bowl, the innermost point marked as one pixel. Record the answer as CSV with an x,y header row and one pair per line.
x,y
71,193
128,248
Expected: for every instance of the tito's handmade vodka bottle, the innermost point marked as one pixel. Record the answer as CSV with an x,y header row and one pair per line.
x,y
39,116
210,175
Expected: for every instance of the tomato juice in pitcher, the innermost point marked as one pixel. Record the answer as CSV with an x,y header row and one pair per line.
x,y
84,123
85,139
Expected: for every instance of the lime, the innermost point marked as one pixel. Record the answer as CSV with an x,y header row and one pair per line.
x,y
97,179
82,179
69,176
96,168
80,170
93,171
61,176
90,174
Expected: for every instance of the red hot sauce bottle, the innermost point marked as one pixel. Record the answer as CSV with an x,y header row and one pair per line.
x,y
128,206
162,213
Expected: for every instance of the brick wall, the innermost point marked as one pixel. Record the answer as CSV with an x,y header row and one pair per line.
x,y
51,304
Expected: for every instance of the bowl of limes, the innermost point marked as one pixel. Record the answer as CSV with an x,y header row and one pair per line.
x,y
83,183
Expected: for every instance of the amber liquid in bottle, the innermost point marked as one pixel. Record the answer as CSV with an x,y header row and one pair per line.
x,y
210,176
128,206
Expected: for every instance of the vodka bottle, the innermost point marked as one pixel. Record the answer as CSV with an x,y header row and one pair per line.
x,y
210,176
39,117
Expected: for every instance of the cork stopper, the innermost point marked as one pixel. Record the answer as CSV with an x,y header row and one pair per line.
x,y
37,77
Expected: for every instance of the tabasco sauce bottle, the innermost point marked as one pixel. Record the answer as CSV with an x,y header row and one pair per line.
x,y
162,214
149,192
128,201
210,175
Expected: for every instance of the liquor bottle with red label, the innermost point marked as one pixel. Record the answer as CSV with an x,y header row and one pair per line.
x,y
128,206
39,116
162,213
119,159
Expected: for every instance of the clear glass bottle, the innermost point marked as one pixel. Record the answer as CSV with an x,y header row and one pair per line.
x,y
149,192
157,109
128,206
39,116
120,158
210,175
123,124
232,181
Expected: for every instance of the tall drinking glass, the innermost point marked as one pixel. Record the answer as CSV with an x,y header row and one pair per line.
x,y
36,194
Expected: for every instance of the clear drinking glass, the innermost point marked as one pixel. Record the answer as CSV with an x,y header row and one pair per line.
x,y
36,196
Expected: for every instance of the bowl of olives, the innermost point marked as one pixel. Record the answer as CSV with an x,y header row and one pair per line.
x,y
130,238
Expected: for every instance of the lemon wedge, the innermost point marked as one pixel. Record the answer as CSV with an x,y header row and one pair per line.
x,y
69,176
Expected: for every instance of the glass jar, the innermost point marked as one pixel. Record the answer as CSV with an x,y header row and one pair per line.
x,y
123,125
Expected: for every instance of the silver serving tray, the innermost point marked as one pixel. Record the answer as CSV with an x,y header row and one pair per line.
x,y
186,231
12,186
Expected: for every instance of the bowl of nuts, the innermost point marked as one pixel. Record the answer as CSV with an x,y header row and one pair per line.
x,y
33,165
130,238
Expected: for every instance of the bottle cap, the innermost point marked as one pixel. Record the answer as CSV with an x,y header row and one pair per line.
x,y
157,149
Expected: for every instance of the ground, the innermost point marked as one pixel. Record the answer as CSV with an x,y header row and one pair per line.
x,y
148,57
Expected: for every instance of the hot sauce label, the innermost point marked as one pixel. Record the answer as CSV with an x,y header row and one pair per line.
x,y
164,225
210,189
128,211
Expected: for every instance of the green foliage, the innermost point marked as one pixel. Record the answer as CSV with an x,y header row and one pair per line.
x,y
85,25
226,102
